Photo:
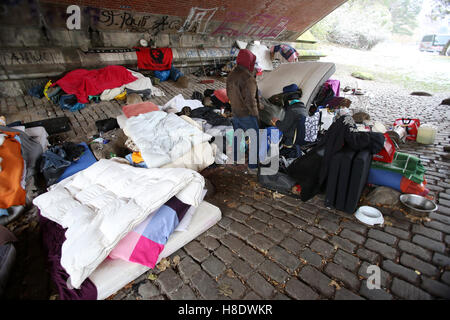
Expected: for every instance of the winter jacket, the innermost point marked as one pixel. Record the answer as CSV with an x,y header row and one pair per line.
x,y
242,89
290,124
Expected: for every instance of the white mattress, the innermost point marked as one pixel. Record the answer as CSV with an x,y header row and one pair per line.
x,y
113,275
308,75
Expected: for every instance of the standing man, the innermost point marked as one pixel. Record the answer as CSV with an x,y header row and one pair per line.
x,y
242,91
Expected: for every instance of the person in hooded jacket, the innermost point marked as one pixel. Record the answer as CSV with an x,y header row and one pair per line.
x,y
293,124
242,91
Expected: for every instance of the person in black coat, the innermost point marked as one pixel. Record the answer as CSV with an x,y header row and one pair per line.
x,y
311,170
293,124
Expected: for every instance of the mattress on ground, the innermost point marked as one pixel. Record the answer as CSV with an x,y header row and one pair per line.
x,y
113,275
308,75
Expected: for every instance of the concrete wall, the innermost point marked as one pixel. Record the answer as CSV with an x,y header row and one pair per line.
x,y
116,23
36,41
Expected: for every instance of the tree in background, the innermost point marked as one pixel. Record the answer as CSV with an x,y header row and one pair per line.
x,y
362,24
441,9
404,15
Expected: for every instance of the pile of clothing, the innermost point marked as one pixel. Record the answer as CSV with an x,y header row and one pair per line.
x,y
57,159
20,150
168,136
80,87
159,192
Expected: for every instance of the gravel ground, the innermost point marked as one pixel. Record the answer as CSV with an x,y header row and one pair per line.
x,y
386,102
394,63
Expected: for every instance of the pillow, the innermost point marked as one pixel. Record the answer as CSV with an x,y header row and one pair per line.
x,y
133,110
144,244
186,221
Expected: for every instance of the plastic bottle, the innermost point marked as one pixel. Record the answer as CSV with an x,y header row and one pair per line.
x,y
426,134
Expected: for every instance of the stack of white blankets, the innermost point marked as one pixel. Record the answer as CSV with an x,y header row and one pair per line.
x,y
103,203
167,140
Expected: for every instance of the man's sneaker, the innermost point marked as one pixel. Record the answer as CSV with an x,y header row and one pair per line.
x,y
252,171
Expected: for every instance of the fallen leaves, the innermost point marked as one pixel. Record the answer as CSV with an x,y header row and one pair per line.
x,y
388,223
230,273
258,196
335,284
163,264
225,290
232,204
175,261
273,282
253,184
152,276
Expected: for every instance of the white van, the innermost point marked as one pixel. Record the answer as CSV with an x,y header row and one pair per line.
x,y
434,42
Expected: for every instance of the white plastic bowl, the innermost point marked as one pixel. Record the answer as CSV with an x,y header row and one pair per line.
x,y
369,215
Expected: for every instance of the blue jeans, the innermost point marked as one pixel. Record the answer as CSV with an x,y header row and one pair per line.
x,y
245,123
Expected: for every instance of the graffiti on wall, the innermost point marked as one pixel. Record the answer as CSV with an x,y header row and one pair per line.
x,y
198,20
18,57
261,26
136,22
235,24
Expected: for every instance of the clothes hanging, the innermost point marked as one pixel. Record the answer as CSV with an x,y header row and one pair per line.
x,y
159,59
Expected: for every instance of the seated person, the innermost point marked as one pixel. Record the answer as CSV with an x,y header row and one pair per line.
x,y
293,124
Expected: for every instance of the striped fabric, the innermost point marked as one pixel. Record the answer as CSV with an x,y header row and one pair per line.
x,y
144,244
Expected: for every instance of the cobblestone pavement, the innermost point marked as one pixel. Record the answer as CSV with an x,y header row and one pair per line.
x,y
270,247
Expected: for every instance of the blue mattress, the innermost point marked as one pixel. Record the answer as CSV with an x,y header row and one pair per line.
x,y
86,160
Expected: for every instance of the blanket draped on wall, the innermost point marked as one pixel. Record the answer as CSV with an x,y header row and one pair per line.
x,y
154,59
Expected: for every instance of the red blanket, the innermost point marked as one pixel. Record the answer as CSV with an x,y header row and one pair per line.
x,y
84,83
159,59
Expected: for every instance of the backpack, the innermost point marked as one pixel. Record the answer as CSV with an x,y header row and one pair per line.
x,y
325,94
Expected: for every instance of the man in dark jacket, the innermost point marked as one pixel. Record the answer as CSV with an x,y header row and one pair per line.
x,y
292,125
242,92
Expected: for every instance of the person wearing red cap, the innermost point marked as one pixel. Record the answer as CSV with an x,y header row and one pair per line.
x,y
242,91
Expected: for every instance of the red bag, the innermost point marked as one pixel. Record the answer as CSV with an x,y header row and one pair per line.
x,y
411,126
388,151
